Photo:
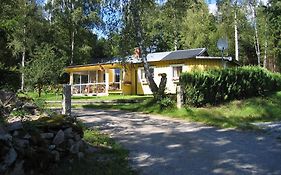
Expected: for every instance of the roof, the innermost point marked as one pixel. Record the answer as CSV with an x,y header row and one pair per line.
x,y
198,53
176,55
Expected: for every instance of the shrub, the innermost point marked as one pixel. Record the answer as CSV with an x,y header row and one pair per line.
x,y
218,85
166,102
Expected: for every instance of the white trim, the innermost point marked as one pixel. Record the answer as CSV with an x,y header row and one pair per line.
x,y
143,80
218,58
175,65
203,50
176,79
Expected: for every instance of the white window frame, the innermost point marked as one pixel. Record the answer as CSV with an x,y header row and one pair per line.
x,y
173,66
142,73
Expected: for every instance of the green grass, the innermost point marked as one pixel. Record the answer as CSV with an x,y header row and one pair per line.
x,y
44,96
58,96
235,114
111,158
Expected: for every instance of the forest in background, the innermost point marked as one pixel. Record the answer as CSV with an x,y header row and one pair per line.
x,y
38,39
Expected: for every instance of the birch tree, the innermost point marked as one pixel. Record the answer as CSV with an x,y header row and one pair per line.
x,y
75,17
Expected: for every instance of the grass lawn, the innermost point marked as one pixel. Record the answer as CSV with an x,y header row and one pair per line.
x,y
111,158
235,114
55,97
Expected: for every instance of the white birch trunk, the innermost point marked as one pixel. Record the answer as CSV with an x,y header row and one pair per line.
x,y
257,44
265,54
72,46
23,55
22,65
236,37
143,53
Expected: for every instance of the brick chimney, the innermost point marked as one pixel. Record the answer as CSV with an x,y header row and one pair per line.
x,y
137,52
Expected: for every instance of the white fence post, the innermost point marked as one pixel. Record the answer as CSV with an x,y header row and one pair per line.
x,y
179,96
66,100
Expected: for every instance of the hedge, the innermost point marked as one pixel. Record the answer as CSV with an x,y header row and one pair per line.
x,y
219,85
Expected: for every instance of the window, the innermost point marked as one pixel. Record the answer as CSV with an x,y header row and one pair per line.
x,y
76,79
117,75
142,72
177,70
84,79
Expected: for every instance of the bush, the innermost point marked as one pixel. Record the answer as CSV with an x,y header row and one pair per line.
x,y
218,85
166,102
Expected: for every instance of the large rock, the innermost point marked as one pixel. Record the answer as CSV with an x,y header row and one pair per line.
x,y
59,138
90,149
6,96
15,126
6,137
48,135
8,160
77,137
23,143
76,147
56,155
2,130
18,169
30,107
27,136
68,133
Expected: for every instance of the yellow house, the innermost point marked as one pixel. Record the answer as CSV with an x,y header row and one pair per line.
x,y
129,77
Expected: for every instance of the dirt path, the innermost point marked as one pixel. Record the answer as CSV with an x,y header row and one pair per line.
x,y
161,146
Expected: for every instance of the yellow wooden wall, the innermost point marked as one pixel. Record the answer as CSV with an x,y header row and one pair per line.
x,y
132,84
166,67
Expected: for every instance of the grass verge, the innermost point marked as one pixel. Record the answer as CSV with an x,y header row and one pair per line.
x,y
110,158
57,96
236,114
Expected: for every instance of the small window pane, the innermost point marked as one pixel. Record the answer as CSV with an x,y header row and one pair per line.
x,y
84,79
177,70
117,75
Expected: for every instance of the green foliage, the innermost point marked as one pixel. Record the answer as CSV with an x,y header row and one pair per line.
x,y
216,86
45,68
166,102
273,12
19,113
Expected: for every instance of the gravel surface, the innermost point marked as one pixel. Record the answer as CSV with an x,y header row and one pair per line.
x,y
162,146
273,128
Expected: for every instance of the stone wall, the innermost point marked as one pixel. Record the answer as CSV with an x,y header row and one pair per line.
x,y
34,142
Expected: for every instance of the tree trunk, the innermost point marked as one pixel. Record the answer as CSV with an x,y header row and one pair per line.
x,y
175,33
140,41
236,37
23,57
72,46
39,90
265,42
265,54
162,86
257,44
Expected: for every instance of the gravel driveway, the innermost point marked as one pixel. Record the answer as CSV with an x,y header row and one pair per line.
x,y
162,146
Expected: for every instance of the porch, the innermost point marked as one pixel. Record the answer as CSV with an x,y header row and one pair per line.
x,y
96,82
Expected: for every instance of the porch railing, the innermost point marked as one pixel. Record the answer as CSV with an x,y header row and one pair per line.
x,y
95,88
89,88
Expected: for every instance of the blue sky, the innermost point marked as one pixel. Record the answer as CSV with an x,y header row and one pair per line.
x,y
210,1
